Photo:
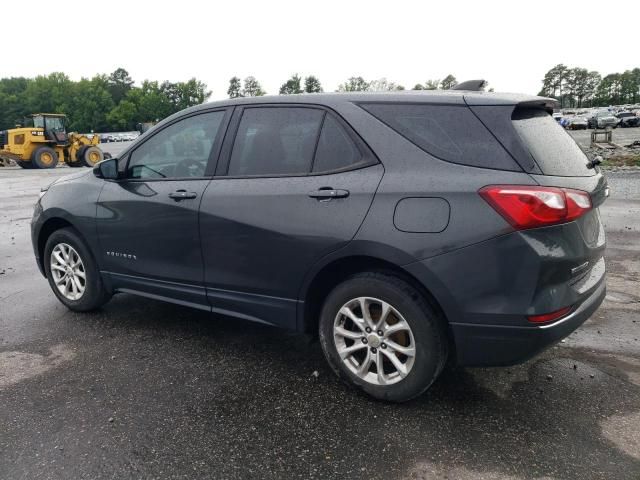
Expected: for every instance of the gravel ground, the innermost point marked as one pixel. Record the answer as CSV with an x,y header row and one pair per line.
x,y
142,389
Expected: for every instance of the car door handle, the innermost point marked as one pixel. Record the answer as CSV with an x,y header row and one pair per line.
x,y
328,193
182,195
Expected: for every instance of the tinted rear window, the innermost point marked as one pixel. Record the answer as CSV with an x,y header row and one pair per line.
x,y
553,149
449,132
275,141
335,149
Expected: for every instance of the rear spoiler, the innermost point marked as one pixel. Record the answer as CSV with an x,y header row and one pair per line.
x,y
548,104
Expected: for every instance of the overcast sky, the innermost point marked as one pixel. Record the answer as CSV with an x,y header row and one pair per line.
x,y
509,43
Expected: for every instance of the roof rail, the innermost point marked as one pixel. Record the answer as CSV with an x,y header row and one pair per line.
x,y
471,85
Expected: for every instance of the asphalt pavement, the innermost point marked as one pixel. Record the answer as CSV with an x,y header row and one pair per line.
x,y
143,389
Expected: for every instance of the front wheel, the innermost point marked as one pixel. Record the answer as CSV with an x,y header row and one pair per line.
x,y
90,155
72,272
379,334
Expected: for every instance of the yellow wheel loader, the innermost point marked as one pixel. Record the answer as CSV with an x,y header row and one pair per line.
x,y
44,141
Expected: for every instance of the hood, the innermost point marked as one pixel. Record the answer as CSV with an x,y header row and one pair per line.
x,y
68,178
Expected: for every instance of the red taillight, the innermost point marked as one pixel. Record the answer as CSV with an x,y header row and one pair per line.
x,y
530,207
549,317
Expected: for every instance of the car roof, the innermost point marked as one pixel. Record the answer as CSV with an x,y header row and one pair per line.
x,y
420,96
440,97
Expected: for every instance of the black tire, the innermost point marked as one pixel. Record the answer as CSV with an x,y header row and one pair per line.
x,y
44,157
428,329
95,294
77,163
90,155
107,155
24,164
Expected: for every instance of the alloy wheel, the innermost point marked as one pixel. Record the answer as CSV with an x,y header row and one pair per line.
x,y
374,341
68,271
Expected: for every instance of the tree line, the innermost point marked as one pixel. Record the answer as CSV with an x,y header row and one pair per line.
x,y
579,87
112,102
103,103
251,87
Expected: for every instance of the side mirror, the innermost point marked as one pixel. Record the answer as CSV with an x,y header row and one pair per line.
x,y
107,169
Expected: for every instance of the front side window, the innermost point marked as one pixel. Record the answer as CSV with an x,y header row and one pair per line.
x,y
179,150
275,141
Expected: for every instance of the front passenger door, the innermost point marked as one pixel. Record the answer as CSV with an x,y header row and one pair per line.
x,y
148,221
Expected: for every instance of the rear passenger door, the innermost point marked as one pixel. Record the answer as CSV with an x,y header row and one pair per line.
x,y
293,184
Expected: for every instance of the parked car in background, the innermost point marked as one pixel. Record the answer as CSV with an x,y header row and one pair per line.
x,y
577,123
403,229
603,119
628,119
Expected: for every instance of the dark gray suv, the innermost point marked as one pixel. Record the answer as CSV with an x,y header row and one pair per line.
x,y
405,228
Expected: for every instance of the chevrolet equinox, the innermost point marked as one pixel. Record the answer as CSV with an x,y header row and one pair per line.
x,y
405,229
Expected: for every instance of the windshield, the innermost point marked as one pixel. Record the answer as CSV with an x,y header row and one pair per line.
x,y
54,123
603,114
37,121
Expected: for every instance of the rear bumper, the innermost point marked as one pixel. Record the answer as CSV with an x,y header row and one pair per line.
x,y
502,345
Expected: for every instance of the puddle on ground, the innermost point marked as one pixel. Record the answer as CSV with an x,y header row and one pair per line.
x,y
429,471
18,366
623,432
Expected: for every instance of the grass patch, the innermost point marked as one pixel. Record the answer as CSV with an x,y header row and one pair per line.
x,y
622,161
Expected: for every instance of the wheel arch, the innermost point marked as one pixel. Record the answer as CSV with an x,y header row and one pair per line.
x,y
329,275
50,226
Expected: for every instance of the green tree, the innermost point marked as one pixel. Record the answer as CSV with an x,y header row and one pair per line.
x,y
291,86
354,84
187,94
418,86
119,84
12,104
48,94
252,88
124,116
383,85
431,84
312,84
554,82
235,88
448,82
89,106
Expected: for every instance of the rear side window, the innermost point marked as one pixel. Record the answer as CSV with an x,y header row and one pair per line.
x,y
275,141
448,132
336,149
555,152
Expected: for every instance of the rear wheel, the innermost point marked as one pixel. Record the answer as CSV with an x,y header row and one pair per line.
x,y
44,157
379,334
72,272
90,155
